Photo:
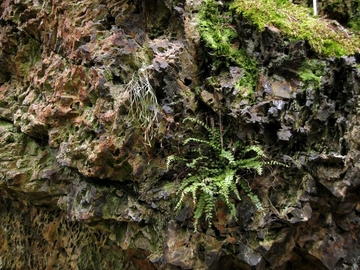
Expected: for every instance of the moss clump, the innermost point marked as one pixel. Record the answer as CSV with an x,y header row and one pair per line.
x,y
220,38
311,72
326,37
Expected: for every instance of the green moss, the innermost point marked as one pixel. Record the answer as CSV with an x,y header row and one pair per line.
x,y
326,37
27,57
5,125
108,75
220,38
215,30
311,72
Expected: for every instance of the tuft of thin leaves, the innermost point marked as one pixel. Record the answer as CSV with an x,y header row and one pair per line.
x,y
143,104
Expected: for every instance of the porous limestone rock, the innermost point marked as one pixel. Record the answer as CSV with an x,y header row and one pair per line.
x,y
84,184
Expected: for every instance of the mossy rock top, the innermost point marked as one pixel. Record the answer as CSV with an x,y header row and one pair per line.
x,y
327,37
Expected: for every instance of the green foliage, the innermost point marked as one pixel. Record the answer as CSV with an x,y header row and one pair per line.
x,y
326,37
214,172
281,2
311,72
143,104
219,36
355,23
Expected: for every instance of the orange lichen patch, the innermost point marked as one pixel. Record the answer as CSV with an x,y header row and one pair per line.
x,y
230,239
107,143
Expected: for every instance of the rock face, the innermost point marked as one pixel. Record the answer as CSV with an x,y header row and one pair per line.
x,y
92,100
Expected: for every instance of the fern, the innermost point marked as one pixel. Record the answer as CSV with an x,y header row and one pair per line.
x,y
171,159
228,155
215,175
245,186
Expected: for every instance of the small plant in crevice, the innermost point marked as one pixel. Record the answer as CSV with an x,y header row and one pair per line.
x,y
144,107
311,72
222,42
215,172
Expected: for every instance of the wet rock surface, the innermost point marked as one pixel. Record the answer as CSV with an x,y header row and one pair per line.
x,y
83,176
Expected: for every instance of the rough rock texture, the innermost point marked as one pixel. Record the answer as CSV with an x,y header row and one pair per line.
x,y
83,180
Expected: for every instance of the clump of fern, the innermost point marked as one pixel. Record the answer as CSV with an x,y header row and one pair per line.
x,y
215,172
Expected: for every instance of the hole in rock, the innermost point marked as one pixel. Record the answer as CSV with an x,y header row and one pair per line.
x,y
111,19
187,81
117,80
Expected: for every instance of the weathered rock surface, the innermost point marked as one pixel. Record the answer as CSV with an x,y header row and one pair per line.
x,y
83,176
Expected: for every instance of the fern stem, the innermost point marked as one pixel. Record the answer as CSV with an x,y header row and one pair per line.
x,y
221,131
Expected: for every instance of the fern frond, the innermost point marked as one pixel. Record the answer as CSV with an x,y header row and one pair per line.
x,y
233,187
179,203
199,122
228,155
209,207
245,186
186,188
229,177
194,163
186,141
208,187
213,134
171,159
199,209
232,210
187,182
276,163
258,166
251,163
256,149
